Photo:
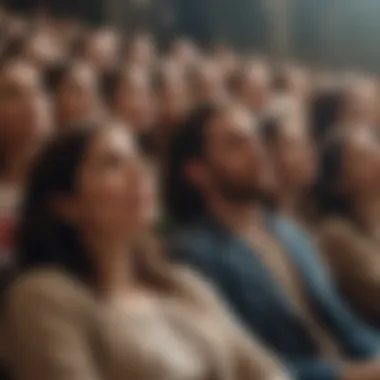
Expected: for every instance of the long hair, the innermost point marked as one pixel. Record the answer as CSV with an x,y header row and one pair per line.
x,y
182,200
324,112
55,76
45,240
330,201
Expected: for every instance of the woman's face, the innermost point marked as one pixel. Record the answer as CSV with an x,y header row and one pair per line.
x,y
103,49
115,192
134,101
361,163
294,156
24,108
78,97
173,101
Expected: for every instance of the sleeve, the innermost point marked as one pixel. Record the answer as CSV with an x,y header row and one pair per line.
x,y
47,339
360,340
246,342
355,263
311,369
252,360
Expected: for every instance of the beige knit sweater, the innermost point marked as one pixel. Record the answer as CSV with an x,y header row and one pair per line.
x,y
58,330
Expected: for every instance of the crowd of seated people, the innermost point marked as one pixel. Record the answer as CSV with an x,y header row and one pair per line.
x,y
183,213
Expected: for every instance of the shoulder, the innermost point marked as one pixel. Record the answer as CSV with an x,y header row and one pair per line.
x,y
199,289
344,241
193,280
197,240
336,228
289,229
42,290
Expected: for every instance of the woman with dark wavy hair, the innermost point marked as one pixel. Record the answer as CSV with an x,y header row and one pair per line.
x,y
96,299
348,200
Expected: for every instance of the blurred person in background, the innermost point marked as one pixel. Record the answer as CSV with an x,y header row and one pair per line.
x,y
25,121
44,49
75,93
172,105
227,59
184,53
340,107
251,86
101,49
141,52
129,96
206,83
348,199
293,80
266,268
95,297
325,112
295,159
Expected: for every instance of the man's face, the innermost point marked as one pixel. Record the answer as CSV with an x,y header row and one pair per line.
x,y
236,164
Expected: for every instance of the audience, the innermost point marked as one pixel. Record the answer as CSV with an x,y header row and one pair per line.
x,y
245,155
91,280
263,264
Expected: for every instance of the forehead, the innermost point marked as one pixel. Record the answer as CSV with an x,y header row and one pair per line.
x,y
233,122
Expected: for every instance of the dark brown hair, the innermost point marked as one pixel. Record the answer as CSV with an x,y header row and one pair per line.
x,y
45,240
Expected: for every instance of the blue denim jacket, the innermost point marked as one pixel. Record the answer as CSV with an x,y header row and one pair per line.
x,y
259,302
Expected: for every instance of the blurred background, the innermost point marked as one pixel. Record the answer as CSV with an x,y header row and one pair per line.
x,y
342,33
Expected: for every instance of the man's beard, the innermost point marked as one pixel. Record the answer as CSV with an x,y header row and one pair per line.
x,y
243,193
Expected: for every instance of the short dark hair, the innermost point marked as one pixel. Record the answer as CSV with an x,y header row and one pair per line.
x,y
183,202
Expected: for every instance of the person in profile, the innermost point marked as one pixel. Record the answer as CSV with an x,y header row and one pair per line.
x,y
348,199
262,263
95,298
294,158
25,123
